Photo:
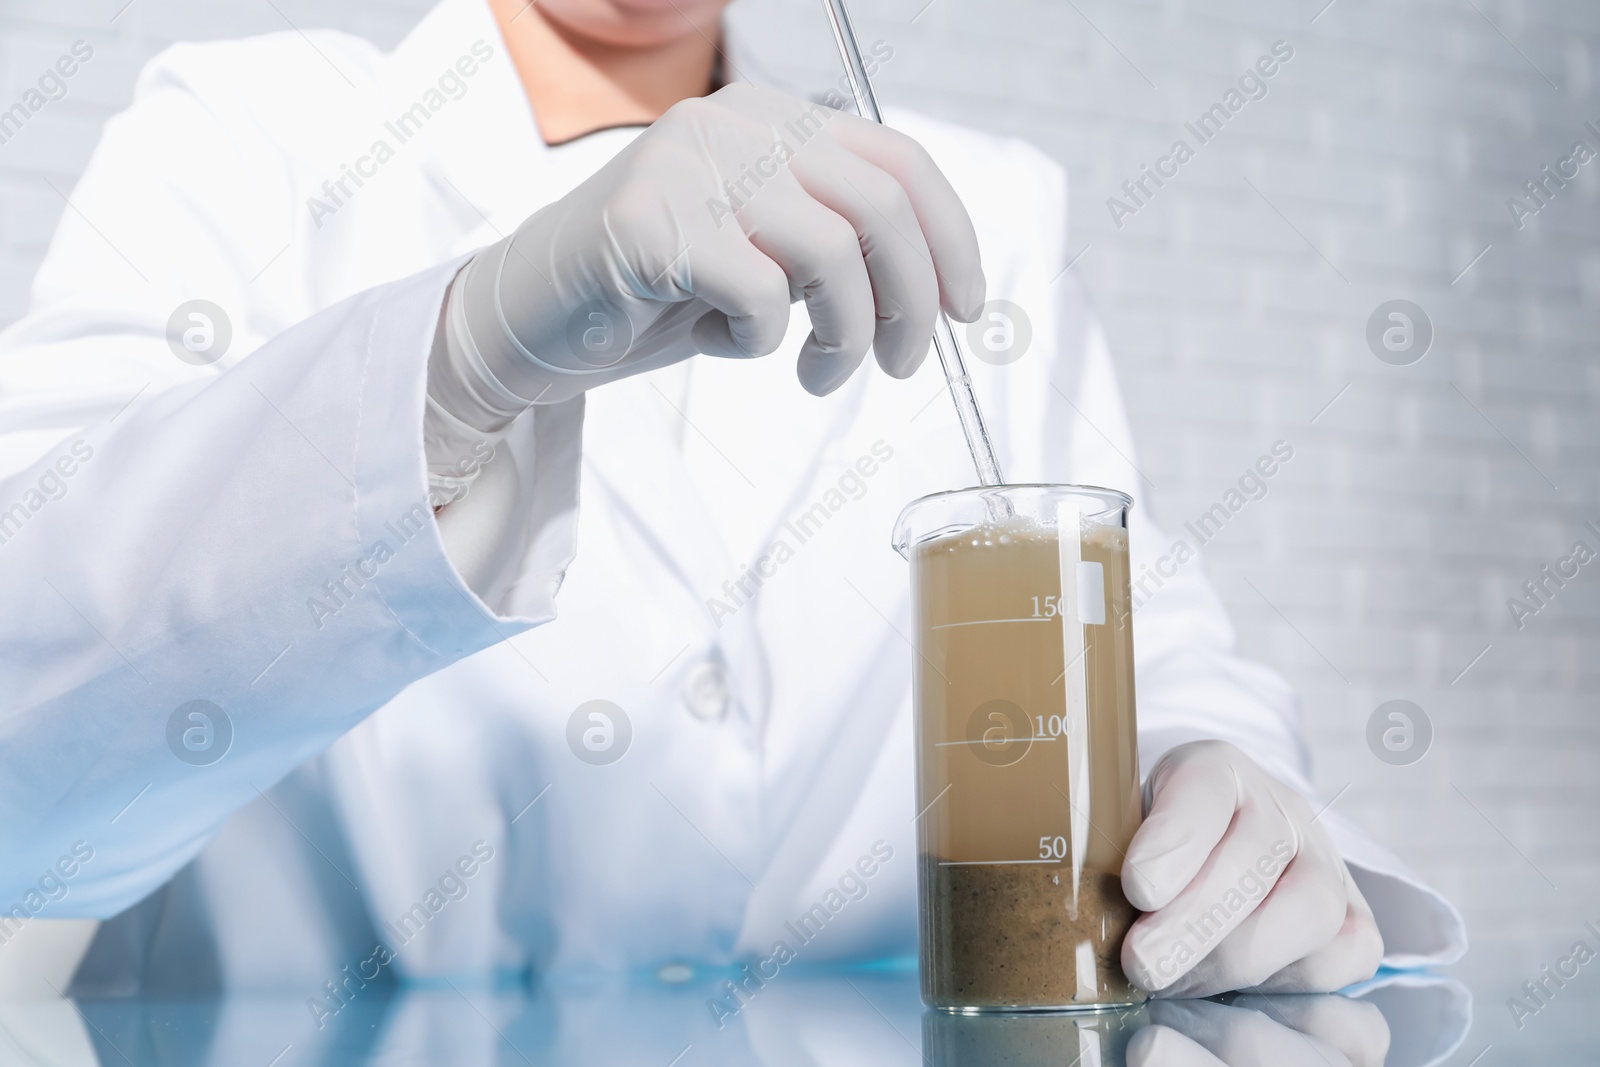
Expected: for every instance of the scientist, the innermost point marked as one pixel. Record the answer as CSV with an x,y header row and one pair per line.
x,y
329,347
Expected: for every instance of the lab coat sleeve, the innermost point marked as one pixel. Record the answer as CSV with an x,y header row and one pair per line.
x,y
208,576
1191,682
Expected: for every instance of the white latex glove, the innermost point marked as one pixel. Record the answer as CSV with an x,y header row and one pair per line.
x,y
1241,886
699,234
1317,1031
696,238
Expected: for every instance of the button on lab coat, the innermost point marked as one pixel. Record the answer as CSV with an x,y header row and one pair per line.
x,y
401,768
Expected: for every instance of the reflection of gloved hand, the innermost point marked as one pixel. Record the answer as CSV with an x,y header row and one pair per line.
x,y
698,235
1318,1031
1241,886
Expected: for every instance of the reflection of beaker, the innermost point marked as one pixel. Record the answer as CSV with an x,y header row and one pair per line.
x,y
1031,1039
1027,757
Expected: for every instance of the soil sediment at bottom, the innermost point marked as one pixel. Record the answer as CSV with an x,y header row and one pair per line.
x,y
1009,936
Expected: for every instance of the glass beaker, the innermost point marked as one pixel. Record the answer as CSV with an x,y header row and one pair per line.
x,y
1027,751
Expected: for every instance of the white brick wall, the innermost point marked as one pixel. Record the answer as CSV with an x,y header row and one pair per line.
x,y
1391,542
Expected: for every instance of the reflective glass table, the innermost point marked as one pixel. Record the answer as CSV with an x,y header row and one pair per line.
x,y
871,1017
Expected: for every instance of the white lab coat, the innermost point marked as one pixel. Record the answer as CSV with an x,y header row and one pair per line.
x,y
418,722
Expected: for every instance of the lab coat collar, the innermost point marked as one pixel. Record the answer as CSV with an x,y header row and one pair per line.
x,y
491,156
486,158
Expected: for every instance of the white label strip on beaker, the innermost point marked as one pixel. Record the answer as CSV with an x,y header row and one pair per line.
x,y
1091,593
1075,709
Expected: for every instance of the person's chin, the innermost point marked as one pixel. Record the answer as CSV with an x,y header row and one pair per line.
x,y
635,23
650,6
650,10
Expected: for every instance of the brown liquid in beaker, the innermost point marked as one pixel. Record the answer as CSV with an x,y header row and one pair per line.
x,y
1006,921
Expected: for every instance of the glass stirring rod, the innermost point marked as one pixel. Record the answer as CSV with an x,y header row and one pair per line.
x,y
944,337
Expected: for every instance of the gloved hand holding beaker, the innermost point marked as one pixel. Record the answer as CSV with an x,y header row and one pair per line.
x,y
1241,887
